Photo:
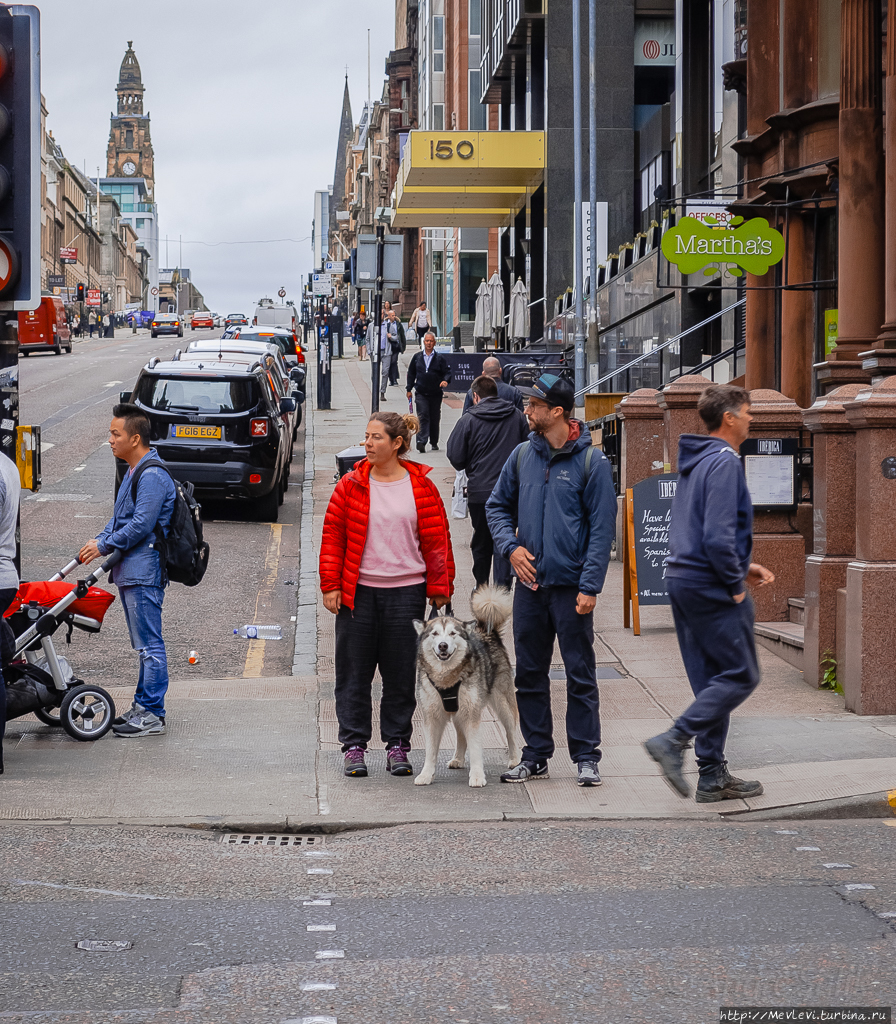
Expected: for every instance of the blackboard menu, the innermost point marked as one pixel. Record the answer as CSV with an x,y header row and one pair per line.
x,y
651,515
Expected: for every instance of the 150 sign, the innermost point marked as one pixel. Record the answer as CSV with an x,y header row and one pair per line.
x,y
444,150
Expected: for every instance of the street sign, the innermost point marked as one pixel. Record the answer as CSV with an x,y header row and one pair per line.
x,y
282,293
132,305
154,291
68,254
55,281
94,297
335,266
321,284
393,261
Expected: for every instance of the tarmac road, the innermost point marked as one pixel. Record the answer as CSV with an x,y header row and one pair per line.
x,y
562,923
253,567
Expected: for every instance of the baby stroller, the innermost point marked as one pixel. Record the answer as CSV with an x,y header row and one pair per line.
x,y
42,682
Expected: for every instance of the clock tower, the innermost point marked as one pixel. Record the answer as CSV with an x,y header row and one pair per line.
x,y
129,154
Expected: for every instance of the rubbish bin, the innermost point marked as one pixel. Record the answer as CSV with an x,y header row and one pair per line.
x,y
348,457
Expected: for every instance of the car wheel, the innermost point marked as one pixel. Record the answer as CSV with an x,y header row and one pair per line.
x,y
268,507
25,353
57,350
68,349
153,334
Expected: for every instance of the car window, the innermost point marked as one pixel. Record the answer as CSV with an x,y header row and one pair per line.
x,y
280,340
193,394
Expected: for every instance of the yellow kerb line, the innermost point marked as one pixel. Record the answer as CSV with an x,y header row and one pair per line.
x,y
255,655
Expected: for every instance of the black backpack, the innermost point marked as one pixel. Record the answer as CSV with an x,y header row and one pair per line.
x,y
183,554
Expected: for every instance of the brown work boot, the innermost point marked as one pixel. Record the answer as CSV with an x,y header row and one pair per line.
x,y
720,784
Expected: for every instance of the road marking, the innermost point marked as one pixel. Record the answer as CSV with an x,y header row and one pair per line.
x,y
112,383
254,666
836,865
316,903
330,954
815,849
319,871
318,986
332,927
858,885
81,888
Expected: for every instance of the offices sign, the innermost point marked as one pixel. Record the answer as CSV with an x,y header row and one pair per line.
x,y
753,246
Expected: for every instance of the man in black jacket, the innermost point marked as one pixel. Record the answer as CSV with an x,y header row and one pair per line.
x,y
482,441
491,367
430,374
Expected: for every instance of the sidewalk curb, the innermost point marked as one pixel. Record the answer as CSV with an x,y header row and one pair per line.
x,y
869,805
305,651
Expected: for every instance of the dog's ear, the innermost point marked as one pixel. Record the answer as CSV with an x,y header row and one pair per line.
x,y
419,626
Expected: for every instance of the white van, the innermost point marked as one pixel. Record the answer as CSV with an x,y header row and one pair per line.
x,y
271,314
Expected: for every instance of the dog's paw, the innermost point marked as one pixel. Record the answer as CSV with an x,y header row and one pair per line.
x,y
515,759
456,763
424,779
477,780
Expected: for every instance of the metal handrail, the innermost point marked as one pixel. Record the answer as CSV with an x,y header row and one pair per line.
x,y
706,364
646,355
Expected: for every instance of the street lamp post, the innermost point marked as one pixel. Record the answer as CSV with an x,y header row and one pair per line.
x,y
577,178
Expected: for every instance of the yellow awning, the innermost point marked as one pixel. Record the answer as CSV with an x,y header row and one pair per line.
x,y
466,179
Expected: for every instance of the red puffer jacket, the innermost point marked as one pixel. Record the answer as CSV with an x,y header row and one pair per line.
x,y
345,533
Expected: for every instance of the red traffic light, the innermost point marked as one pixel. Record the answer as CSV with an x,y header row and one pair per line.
x,y
9,264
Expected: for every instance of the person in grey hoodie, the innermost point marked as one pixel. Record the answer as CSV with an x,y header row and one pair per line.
x,y
481,442
710,542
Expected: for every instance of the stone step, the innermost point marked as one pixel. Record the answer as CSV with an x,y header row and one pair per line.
x,y
797,607
782,638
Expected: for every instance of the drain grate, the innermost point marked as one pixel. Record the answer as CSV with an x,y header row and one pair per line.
x,y
270,839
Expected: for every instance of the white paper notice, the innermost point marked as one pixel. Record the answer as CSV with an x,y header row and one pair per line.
x,y
770,479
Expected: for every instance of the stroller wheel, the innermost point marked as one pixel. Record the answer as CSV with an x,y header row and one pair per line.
x,y
49,716
86,712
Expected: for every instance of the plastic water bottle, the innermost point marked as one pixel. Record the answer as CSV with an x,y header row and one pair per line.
x,y
259,632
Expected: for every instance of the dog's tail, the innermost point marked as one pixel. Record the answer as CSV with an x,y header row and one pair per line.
x,y
491,607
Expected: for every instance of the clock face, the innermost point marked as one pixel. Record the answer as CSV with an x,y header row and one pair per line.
x,y
129,167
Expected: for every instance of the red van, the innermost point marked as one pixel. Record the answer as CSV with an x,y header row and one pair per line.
x,y
45,327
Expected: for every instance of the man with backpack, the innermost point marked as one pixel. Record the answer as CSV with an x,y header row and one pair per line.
x,y
142,514
553,515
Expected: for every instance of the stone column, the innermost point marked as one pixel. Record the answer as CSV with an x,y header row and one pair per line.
x,y
887,337
678,401
834,524
641,447
760,355
861,205
777,544
797,317
869,680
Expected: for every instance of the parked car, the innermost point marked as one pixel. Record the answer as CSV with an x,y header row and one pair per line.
x,y
235,320
198,320
166,323
293,378
45,328
221,425
289,345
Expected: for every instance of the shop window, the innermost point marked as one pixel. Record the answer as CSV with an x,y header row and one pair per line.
x,y
438,44
438,117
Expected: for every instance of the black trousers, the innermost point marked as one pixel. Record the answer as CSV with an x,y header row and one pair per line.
x,y
378,634
7,595
538,617
429,412
485,559
393,368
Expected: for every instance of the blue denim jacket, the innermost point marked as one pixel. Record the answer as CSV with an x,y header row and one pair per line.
x,y
131,527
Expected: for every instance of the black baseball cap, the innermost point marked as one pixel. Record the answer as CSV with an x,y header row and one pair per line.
x,y
553,390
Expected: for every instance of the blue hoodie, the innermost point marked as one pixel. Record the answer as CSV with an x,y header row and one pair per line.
x,y
711,533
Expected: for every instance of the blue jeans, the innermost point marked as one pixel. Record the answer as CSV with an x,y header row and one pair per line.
x,y
538,617
719,653
143,614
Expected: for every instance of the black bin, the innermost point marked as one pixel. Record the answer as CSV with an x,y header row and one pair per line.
x,y
348,457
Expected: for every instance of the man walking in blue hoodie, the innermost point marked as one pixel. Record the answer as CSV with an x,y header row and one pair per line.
x,y
710,542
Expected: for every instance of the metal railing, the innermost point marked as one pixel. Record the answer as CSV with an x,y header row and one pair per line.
x,y
594,385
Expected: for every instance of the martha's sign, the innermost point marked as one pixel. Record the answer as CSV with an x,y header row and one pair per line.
x,y
751,246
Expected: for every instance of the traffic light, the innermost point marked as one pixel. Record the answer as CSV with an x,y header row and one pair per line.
x,y
105,297
81,293
19,157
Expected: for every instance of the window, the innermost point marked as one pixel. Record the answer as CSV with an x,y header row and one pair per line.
x,y
438,117
474,27
405,94
141,222
651,179
210,396
129,138
438,44
476,120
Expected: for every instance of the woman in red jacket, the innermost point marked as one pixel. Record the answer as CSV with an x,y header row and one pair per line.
x,y
386,548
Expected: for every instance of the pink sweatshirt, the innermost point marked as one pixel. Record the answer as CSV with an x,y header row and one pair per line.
x,y
392,555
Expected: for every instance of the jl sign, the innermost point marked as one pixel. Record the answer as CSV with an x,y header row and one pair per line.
x,y
750,246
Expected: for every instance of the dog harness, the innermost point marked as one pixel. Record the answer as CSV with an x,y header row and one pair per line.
x,y
449,697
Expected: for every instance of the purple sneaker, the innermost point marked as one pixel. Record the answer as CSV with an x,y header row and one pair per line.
x,y
354,763
397,762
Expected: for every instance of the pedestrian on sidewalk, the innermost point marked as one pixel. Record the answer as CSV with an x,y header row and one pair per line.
x,y
491,367
710,542
385,550
139,576
553,515
430,374
420,321
91,322
481,442
359,333
10,493
389,349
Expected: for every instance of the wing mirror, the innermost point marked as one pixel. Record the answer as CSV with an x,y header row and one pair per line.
x,y
124,396
297,375
287,405
298,396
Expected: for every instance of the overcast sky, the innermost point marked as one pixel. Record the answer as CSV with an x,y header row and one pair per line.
x,y
245,100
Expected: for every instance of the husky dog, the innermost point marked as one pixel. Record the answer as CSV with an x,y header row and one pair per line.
x,y
462,667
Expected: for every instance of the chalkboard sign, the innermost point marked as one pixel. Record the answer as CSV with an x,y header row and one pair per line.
x,y
648,512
